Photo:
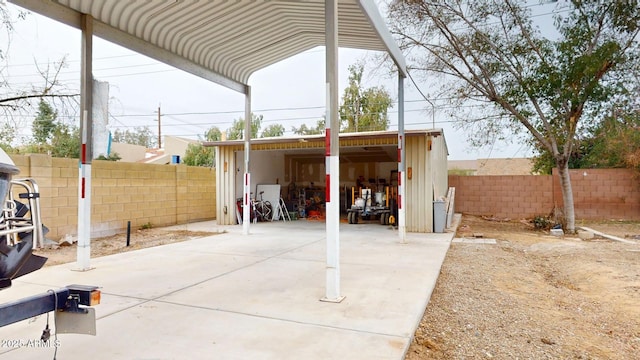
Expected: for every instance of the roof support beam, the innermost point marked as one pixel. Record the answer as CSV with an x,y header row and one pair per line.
x,y
370,10
332,155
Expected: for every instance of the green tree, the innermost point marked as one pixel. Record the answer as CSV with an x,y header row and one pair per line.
x,y
273,130
490,56
111,157
198,155
236,132
613,143
7,135
65,141
305,130
44,123
363,109
138,136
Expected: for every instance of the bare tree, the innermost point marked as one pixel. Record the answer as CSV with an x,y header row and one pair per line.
x,y
491,59
18,103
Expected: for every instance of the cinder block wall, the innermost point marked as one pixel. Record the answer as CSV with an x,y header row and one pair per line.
x,y
514,196
607,194
159,195
601,194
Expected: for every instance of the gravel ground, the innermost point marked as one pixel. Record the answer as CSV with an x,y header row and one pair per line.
x,y
532,296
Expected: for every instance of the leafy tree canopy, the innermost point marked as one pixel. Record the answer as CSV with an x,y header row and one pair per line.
x,y
44,123
198,155
236,132
273,130
138,136
504,78
363,109
308,130
612,143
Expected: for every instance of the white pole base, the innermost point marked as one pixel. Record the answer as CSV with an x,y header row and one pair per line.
x,y
336,300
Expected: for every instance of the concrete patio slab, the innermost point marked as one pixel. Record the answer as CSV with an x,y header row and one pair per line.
x,y
231,296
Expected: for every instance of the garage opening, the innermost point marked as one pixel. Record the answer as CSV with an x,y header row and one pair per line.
x,y
295,168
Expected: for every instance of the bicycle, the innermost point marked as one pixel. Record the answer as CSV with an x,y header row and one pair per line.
x,y
262,209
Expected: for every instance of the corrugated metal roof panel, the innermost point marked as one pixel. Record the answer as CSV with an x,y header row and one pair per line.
x,y
229,39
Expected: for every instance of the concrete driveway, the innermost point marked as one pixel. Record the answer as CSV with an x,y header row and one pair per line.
x,y
231,296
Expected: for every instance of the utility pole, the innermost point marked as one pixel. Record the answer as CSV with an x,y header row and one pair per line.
x,y
159,130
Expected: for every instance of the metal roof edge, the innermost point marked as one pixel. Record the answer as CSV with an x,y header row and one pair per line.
x,y
52,10
309,138
370,9
72,18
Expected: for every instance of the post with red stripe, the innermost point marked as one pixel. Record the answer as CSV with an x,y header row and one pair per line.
x,y
246,202
84,202
402,229
86,153
332,148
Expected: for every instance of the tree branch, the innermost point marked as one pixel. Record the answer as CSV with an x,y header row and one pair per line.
x,y
35,96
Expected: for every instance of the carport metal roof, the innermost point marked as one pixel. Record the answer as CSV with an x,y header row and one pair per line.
x,y
224,41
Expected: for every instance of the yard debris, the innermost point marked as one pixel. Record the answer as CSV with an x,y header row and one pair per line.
x,y
547,341
68,240
527,223
496,219
606,236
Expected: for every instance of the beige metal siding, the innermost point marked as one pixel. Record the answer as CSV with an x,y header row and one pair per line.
x,y
439,161
225,178
419,189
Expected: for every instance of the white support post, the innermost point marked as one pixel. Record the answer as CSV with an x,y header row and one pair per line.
x,y
246,213
402,230
86,150
332,156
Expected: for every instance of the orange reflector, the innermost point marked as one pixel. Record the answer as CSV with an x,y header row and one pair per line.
x,y
95,298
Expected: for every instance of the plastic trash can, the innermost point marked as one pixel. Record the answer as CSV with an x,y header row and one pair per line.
x,y
439,216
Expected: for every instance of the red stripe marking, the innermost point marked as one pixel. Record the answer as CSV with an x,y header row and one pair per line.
x,y
83,153
328,188
327,142
399,201
82,188
399,178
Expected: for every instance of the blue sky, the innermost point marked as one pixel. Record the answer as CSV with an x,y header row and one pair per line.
x,y
290,92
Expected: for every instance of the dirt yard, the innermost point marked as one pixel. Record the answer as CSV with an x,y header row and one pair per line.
x,y
139,239
533,296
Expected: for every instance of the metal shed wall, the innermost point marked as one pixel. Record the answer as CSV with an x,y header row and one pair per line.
x,y
439,154
419,186
225,185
